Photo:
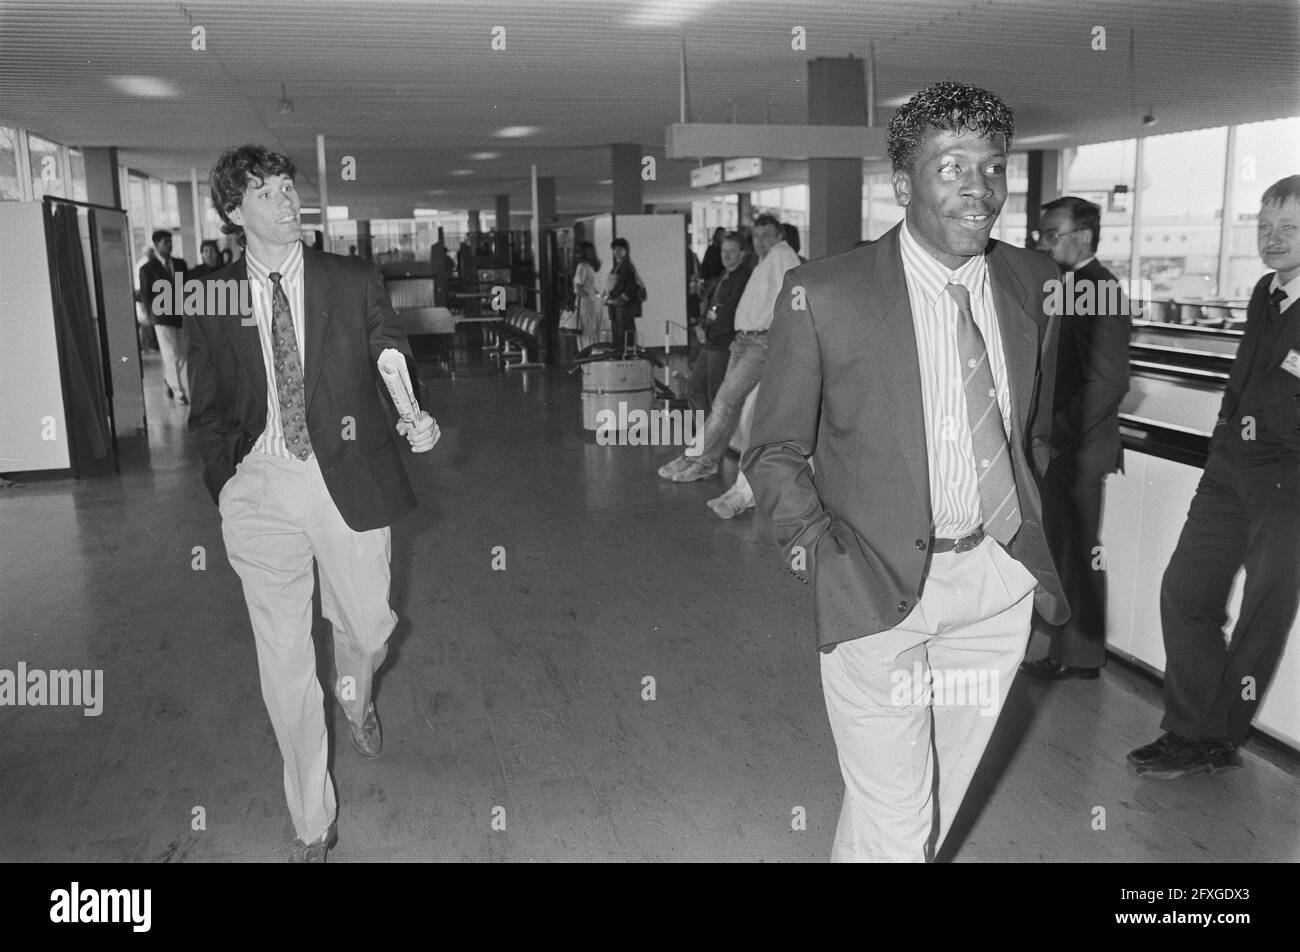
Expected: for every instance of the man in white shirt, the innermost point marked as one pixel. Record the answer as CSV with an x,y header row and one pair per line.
x,y
748,353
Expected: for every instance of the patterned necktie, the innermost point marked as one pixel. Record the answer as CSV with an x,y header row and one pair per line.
x,y
288,373
997,482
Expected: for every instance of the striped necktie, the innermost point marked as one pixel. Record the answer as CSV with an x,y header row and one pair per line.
x,y
288,373
997,483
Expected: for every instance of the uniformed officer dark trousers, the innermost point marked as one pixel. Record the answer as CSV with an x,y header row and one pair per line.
x,y
1240,516
1072,503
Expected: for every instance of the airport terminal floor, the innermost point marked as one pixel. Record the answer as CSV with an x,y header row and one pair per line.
x,y
521,695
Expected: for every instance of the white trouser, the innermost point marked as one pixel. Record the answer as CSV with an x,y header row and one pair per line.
x,y
922,695
277,518
174,346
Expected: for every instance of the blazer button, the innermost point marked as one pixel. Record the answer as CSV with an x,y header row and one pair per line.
x,y
920,544
902,607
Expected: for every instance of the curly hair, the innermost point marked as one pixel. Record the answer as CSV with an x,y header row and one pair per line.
x,y
950,107
236,170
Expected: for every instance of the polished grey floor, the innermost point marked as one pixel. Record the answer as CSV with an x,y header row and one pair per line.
x,y
519,694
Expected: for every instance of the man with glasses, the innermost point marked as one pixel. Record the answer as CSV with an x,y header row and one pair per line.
x,y
1092,377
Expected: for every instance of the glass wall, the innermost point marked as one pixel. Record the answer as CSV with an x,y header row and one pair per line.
x,y
1103,174
46,168
10,183
1262,153
1185,248
1181,207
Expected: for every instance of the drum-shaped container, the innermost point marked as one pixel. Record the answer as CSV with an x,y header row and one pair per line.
x,y
608,383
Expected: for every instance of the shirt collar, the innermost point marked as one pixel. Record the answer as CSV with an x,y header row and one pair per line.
x,y
290,268
1083,264
931,274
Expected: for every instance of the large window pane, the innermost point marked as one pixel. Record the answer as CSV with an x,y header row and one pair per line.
x,y
47,173
1102,173
1263,153
1182,201
880,212
10,191
137,204
78,162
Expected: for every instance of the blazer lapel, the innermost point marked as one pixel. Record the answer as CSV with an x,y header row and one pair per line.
x,y
317,277
1014,303
892,345
243,333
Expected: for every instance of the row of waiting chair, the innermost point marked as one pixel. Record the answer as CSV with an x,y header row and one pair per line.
x,y
519,330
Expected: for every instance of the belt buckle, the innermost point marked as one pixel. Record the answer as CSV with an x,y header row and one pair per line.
x,y
968,542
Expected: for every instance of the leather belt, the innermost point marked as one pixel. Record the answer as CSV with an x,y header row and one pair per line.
x,y
750,333
964,544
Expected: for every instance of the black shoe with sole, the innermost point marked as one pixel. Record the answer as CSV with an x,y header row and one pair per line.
x,y
1156,749
317,851
1206,755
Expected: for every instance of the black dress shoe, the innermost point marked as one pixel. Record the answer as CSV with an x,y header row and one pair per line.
x,y
1156,749
366,736
317,851
1183,757
1049,670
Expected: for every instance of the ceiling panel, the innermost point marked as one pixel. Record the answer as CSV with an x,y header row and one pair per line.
x,y
412,89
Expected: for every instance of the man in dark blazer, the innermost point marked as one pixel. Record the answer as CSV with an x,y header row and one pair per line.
x,y
1092,377
900,429
299,456
1246,513
156,276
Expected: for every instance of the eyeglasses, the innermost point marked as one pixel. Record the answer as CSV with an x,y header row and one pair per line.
x,y
1051,235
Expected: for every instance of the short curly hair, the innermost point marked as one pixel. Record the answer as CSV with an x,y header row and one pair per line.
x,y
236,170
950,107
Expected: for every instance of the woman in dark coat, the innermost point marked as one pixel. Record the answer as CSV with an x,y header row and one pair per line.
x,y
623,296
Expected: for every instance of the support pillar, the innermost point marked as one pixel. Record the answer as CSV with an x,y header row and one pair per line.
x,y
546,201
625,170
836,97
365,250
1044,185
103,179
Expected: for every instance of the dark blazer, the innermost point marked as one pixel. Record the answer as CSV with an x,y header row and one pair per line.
x,y
842,384
1092,377
1281,390
348,322
151,272
725,296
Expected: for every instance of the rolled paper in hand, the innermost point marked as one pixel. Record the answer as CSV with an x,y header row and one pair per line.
x,y
392,367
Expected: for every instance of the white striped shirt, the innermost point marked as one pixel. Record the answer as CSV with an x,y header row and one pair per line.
x,y
272,439
954,486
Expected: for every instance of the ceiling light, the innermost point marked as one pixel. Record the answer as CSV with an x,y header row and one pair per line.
x,y
605,181
665,13
146,87
485,156
462,171
516,132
